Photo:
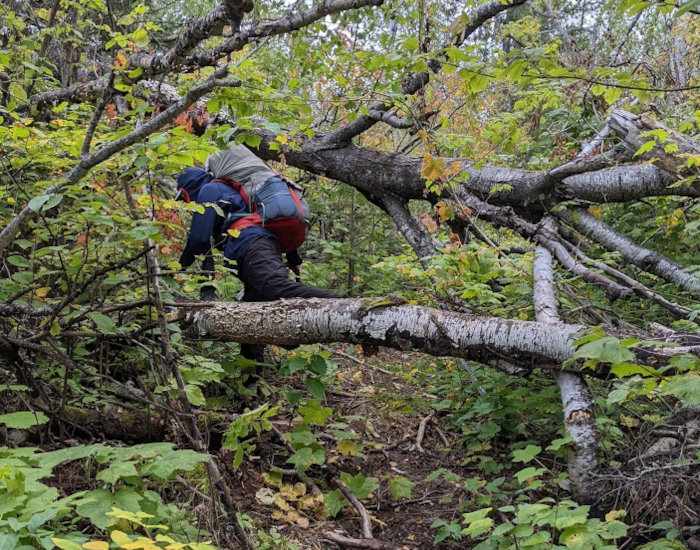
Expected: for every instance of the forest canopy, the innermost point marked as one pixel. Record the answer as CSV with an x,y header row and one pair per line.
x,y
506,194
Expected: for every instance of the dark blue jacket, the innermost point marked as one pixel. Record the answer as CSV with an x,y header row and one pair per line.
x,y
201,189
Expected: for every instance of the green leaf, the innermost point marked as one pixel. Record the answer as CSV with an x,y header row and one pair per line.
x,y
96,504
252,140
17,91
65,544
410,44
168,464
315,387
307,456
37,520
645,148
140,37
401,487
302,436
360,485
685,388
294,365
333,503
526,454
194,395
476,514
318,365
529,472
37,202
23,420
540,537
315,413
8,541
478,527
116,471
605,349
611,95
105,324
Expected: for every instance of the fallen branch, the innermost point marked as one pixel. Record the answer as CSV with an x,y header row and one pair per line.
x,y
366,521
577,400
347,542
418,445
649,260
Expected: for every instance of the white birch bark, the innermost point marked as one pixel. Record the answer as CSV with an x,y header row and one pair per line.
x,y
379,322
394,324
577,401
649,260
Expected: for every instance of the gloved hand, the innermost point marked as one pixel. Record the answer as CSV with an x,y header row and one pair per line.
x,y
207,293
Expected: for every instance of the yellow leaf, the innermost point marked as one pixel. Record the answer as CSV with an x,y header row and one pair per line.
x,y
96,545
630,422
120,537
347,448
120,61
299,489
281,503
595,211
612,515
234,233
43,291
282,139
310,502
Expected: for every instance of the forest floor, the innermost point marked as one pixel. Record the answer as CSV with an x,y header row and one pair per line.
x,y
400,438
394,442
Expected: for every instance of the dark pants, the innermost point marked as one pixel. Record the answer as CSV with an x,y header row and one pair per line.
x,y
265,279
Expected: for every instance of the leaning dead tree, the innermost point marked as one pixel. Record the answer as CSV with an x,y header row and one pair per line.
x,y
547,208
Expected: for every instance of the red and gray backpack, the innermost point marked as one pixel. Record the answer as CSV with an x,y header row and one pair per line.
x,y
274,202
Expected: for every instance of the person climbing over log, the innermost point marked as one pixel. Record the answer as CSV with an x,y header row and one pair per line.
x,y
254,215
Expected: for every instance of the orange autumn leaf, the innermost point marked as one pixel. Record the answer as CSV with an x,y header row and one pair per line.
x,y
433,168
120,61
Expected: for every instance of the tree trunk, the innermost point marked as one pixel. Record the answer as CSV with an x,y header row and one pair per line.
x,y
577,401
392,323
385,322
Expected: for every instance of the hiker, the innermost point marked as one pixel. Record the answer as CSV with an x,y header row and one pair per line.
x,y
253,240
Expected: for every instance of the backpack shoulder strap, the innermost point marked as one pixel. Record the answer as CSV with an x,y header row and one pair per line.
x,y
236,186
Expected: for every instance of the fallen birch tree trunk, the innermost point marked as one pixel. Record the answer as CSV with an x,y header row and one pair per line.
x,y
382,322
391,323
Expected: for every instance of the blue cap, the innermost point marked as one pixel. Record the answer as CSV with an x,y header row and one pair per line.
x,y
190,182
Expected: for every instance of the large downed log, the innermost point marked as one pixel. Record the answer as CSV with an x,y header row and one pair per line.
x,y
384,322
391,323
